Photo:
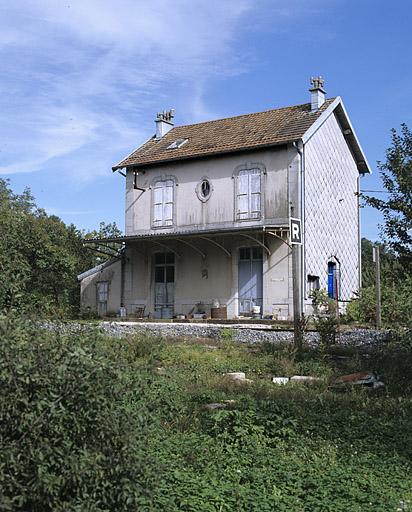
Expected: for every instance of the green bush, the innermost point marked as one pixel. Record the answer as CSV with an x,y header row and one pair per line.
x,y
73,424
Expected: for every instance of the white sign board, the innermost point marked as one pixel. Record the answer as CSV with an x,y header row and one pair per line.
x,y
295,231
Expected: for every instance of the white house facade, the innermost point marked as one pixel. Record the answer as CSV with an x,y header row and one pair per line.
x,y
207,216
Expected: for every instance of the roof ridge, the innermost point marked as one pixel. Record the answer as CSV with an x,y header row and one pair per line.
x,y
245,115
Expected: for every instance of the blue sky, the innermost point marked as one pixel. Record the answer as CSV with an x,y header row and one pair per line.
x,y
82,80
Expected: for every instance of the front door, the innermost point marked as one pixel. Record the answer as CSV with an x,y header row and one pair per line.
x,y
250,279
164,274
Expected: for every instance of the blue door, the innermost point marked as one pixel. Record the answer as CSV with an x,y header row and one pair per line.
x,y
332,281
250,279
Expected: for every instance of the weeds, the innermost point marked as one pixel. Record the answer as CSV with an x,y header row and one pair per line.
x,y
145,441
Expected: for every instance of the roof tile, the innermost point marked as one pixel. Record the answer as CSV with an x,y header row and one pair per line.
x,y
231,134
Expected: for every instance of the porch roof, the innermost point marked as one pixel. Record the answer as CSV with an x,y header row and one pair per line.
x,y
195,233
207,235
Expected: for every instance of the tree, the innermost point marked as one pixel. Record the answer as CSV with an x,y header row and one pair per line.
x,y
396,286
106,251
40,258
396,174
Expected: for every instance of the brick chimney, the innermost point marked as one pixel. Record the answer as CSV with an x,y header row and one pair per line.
x,y
317,93
164,122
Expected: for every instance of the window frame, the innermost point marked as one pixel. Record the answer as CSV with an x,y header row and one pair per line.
x,y
199,193
101,305
106,291
239,171
170,222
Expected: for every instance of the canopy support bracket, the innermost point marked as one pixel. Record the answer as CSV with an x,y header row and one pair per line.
x,y
228,254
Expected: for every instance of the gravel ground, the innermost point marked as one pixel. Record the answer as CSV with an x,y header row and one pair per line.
x,y
257,333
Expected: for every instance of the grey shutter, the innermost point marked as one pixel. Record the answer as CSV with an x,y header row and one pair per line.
x,y
243,195
158,204
249,194
255,193
168,203
102,291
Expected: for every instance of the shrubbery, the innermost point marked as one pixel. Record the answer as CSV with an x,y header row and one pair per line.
x,y
73,424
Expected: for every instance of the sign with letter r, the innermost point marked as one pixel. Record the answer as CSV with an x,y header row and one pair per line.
x,y
295,231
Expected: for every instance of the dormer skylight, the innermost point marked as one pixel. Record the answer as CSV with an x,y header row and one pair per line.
x,y
177,144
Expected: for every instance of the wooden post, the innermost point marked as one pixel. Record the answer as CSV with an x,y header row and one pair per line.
x,y
376,259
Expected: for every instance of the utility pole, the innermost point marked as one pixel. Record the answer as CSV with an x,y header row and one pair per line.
x,y
377,261
297,330
295,229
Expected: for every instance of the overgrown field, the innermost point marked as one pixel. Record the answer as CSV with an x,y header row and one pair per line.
x,y
96,424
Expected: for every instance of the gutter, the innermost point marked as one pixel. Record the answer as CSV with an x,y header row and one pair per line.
x,y
300,148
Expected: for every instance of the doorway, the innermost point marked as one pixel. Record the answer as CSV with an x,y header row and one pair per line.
x,y
333,280
250,279
164,278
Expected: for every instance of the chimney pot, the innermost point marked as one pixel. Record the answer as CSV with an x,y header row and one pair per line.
x,y
317,93
164,122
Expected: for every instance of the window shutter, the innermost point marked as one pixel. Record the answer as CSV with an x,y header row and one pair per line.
x,y
243,195
163,203
255,193
249,194
102,291
158,204
168,203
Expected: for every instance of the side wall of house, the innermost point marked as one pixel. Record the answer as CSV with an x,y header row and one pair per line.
x,y
331,209
88,288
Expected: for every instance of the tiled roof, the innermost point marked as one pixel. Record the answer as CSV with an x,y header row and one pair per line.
x,y
250,131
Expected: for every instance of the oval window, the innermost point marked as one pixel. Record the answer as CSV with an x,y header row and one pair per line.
x,y
205,188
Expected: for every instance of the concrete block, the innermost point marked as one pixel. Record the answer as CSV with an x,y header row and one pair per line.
x,y
236,375
280,380
306,379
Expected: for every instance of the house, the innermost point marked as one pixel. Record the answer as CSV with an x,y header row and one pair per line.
x,y
208,210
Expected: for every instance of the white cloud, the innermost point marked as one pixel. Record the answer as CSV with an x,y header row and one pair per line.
x,y
81,73
82,76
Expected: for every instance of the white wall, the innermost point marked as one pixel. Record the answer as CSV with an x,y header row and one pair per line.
x,y
220,282
88,288
218,211
331,207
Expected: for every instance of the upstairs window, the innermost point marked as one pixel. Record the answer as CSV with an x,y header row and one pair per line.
x,y
204,189
163,203
248,194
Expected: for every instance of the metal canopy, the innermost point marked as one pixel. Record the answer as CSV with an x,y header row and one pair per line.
x,y
257,241
189,238
192,246
279,237
166,247
216,244
230,231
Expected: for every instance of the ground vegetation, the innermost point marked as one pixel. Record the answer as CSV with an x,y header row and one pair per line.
x,y
93,423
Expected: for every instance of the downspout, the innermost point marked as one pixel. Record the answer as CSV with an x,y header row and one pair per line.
x,y
122,276
359,235
300,148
